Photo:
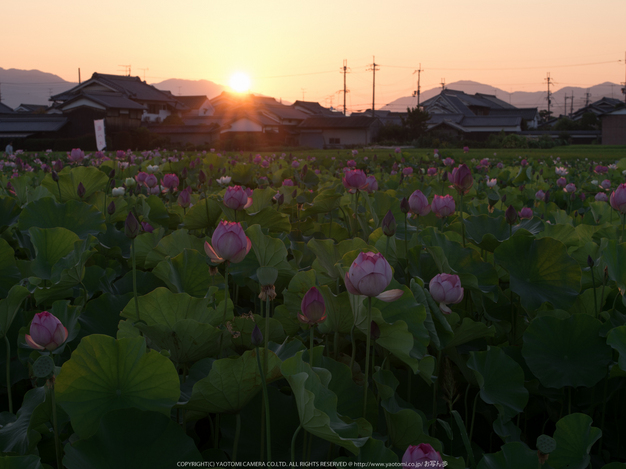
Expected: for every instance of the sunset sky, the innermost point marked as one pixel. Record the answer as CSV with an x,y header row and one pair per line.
x,y
294,49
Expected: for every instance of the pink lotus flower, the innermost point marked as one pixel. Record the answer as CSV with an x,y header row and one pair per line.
x,y
448,161
446,289
76,155
526,213
431,171
141,177
606,184
417,456
618,199
372,184
151,181
236,198
295,164
492,182
369,275
230,243
351,163
313,308
46,332
184,199
287,182
601,169
354,179
540,195
601,197
571,187
561,182
465,149
407,171
443,206
461,178
419,203
170,181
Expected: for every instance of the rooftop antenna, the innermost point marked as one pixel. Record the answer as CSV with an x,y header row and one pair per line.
x,y
303,90
144,73
417,93
126,70
443,84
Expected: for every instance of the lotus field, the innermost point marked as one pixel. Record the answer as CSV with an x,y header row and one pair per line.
x,y
407,307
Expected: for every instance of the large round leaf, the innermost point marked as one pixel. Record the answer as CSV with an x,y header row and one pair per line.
x,y
79,217
9,273
105,374
514,455
131,438
92,179
574,437
540,271
187,272
617,339
566,352
203,215
51,245
488,232
501,381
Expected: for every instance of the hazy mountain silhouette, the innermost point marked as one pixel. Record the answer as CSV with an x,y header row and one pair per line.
x,y
520,98
180,87
30,86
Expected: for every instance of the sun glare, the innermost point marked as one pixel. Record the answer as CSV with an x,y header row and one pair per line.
x,y
240,82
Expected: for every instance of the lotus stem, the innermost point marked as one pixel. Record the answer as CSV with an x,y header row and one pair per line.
x,y
293,443
237,432
267,407
353,349
57,442
6,340
134,280
267,332
368,330
621,239
462,223
595,299
311,333
473,416
435,386
336,345
60,196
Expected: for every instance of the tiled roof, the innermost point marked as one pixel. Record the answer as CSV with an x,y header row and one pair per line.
x,y
350,122
4,109
108,100
316,109
192,102
30,123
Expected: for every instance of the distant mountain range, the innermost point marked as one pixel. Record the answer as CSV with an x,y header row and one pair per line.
x,y
520,98
35,87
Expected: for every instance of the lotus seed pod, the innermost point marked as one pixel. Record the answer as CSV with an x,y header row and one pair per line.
x,y
546,444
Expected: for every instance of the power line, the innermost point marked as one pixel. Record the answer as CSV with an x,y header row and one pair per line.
x,y
511,68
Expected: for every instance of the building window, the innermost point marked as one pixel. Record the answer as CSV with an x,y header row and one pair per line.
x,y
334,141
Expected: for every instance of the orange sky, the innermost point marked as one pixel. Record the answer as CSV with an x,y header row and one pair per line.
x,y
295,48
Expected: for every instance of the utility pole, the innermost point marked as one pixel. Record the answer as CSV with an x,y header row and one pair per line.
x,y
443,84
549,100
303,90
79,82
587,96
571,108
344,70
417,93
373,69
565,106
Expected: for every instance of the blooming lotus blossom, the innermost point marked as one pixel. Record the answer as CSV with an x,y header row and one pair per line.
x,y
419,203
601,169
601,197
462,179
431,171
228,243
313,308
237,198
46,332
618,199
606,184
170,181
372,183
288,182
465,149
560,171
540,195
354,179
351,164
421,455
369,275
526,213
446,289
569,188
76,155
443,206
561,182
224,180
407,171
448,161
492,182
118,191
141,177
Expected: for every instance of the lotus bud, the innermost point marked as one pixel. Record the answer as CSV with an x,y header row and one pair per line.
x,y
446,289
184,199
55,176
147,227
256,338
590,262
131,226
422,455
46,332
374,331
511,215
313,308
201,177
404,206
81,190
389,224
111,208
111,174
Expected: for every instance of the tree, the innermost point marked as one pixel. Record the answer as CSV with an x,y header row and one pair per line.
x,y
415,123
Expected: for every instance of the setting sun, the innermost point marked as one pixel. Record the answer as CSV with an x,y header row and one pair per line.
x,y
240,82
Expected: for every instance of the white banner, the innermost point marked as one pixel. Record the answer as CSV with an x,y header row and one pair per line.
x,y
100,138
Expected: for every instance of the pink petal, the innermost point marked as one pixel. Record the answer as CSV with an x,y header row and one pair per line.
x,y
31,343
249,203
212,254
444,309
390,295
349,285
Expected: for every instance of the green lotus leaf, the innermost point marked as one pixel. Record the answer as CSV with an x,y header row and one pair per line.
x,y
501,381
261,199
245,325
324,202
269,251
317,405
515,455
203,215
566,352
470,330
51,245
187,272
77,216
328,253
105,374
161,306
92,179
489,232
574,437
9,307
172,245
17,437
540,271
156,211
231,383
269,219
131,438
9,212
21,462
614,255
617,339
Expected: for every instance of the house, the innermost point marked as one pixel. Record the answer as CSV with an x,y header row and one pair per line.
x,y
20,125
614,127
123,101
385,117
338,132
315,109
32,108
4,109
602,106
477,115
196,106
